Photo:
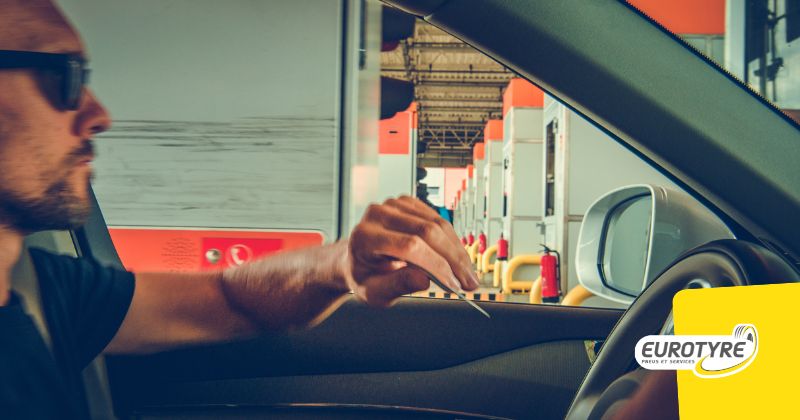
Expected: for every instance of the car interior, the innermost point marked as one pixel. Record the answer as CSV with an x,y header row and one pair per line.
x,y
432,358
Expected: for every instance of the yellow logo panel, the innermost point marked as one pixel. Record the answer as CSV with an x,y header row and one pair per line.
x,y
763,382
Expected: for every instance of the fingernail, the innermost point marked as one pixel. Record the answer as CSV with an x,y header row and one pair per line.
x,y
475,280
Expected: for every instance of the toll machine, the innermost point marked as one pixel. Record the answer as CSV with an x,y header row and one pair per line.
x,y
581,163
522,209
493,183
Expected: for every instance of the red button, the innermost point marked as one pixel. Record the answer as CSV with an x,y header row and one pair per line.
x,y
239,254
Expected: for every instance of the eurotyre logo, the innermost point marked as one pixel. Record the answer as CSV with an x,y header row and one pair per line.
x,y
709,356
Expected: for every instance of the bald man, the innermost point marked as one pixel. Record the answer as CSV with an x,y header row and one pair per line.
x,y
48,117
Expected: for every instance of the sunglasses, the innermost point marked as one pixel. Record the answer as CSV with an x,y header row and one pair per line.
x,y
66,73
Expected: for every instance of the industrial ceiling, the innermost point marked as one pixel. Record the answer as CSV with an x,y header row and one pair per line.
x,y
456,87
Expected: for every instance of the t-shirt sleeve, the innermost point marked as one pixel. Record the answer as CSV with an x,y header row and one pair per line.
x,y
87,299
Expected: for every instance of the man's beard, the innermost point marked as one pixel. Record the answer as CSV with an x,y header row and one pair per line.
x,y
59,208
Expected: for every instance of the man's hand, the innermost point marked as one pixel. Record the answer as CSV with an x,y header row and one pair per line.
x,y
393,246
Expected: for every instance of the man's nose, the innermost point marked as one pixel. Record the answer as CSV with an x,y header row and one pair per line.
x,y
93,118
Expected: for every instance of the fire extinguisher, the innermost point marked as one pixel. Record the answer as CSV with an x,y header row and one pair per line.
x,y
502,249
470,239
551,277
481,243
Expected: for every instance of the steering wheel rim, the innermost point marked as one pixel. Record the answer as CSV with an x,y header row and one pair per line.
x,y
720,264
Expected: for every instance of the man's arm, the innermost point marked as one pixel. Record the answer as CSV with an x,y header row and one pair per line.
x,y
300,288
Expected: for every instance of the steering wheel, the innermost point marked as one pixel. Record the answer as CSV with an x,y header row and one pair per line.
x,y
716,264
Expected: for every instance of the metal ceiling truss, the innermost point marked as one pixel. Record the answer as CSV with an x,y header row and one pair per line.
x,y
450,136
444,158
457,89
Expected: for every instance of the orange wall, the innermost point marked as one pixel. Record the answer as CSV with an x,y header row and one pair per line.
x,y
522,93
493,130
479,152
394,137
702,17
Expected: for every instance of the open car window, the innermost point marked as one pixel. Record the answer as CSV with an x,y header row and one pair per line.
x,y
215,162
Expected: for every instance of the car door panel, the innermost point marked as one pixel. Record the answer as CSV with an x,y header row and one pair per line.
x,y
527,361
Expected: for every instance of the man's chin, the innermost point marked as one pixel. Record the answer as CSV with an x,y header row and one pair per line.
x,y
58,209
69,220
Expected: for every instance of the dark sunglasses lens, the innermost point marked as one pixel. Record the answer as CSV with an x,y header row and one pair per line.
x,y
74,80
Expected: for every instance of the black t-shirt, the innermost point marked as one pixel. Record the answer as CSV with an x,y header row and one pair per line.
x,y
84,304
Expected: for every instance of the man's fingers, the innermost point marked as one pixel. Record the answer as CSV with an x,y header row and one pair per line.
x,y
418,205
419,209
436,238
382,290
370,243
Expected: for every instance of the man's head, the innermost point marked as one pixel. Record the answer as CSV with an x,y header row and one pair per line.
x,y
45,148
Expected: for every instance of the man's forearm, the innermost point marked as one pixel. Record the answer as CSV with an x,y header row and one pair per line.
x,y
290,290
389,254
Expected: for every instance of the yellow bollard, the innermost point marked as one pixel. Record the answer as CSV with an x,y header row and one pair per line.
x,y
536,291
576,296
472,250
496,277
486,265
508,282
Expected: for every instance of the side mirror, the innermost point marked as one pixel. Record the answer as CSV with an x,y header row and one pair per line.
x,y
631,234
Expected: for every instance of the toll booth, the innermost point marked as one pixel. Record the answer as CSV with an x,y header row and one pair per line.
x,y
522,209
397,152
478,202
462,207
469,203
454,207
581,163
458,212
493,180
